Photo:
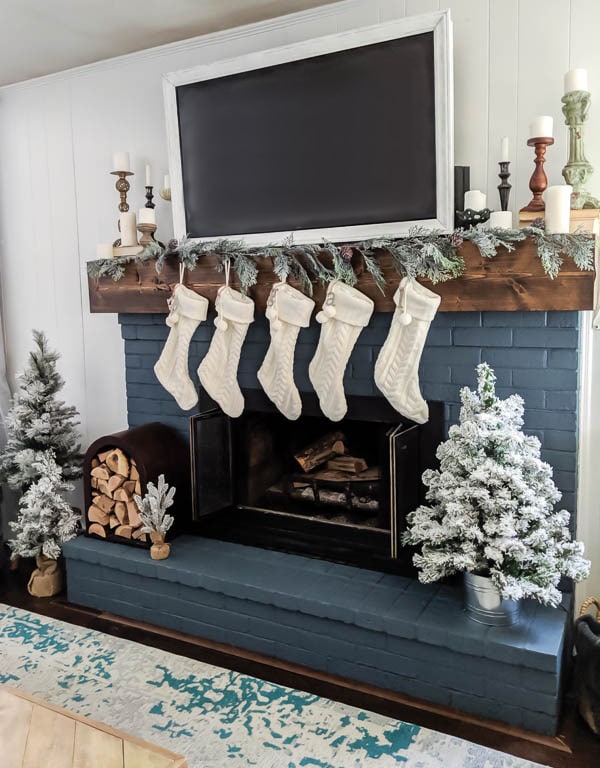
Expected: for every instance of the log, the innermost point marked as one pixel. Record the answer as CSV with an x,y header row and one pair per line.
x,y
121,512
97,529
97,515
129,486
133,473
116,481
94,482
332,444
113,521
101,472
118,462
102,486
103,454
139,535
138,488
121,495
95,462
133,514
104,503
124,531
351,464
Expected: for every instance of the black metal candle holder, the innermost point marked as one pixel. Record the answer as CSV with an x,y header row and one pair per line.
x,y
471,218
504,187
149,196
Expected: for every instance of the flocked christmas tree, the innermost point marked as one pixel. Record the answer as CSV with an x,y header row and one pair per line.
x,y
45,519
38,421
492,504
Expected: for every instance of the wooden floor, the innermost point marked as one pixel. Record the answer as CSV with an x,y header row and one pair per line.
x,y
574,747
36,734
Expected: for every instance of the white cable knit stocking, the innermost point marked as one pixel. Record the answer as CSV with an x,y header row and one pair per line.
x,y
218,370
288,310
187,310
397,366
345,313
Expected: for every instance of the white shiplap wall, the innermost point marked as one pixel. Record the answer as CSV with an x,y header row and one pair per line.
x,y
57,135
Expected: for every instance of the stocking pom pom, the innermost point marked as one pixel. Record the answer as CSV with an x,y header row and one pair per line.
x,y
276,325
321,317
330,311
405,318
172,319
220,324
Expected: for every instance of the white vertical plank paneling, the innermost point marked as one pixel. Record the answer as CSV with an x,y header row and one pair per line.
x,y
391,9
543,54
503,63
584,52
471,87
415,7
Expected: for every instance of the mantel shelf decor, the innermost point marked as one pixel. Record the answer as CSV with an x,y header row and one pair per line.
x,y
472,270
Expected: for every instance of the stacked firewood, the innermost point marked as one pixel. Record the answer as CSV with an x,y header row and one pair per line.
x,y
115,481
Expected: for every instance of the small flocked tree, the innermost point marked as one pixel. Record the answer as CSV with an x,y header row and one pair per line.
x,y
491,504
45,520
38,421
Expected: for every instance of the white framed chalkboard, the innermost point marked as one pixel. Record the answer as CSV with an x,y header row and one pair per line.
x,y
343,137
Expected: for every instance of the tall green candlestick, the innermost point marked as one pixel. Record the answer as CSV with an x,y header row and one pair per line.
x,y
578,169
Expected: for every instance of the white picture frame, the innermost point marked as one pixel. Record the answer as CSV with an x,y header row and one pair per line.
x,y
437,22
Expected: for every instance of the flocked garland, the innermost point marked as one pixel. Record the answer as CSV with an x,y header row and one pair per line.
x,y
422,253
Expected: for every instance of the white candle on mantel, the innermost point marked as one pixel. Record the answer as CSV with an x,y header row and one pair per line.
x,y
500,220
148,176
541,127
576,80
121,161
504,150
475,200
104,251
127,228
167,182
147,216
558,208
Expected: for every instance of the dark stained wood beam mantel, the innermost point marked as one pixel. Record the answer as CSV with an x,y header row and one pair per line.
x,y
511,281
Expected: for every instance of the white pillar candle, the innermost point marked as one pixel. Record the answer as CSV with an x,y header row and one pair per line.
x,y
558,208
104,251
148,176
167,182
127,228
541,127
500,220
475,200
146,216
504,150
576,80
121,161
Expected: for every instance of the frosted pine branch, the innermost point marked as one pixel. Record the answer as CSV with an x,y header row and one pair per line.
x,y
153,507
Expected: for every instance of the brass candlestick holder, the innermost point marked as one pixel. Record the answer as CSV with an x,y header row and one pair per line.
x,y
122,186
504,187
577,171
539,180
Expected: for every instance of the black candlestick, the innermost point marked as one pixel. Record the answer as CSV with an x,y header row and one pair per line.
x,y
149,196
504,187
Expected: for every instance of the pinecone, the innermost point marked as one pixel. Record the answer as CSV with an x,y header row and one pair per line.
x,y
539,223
346,252
456,240
172,245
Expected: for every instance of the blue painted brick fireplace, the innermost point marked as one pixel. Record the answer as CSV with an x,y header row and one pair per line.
x,y
367,626
532,353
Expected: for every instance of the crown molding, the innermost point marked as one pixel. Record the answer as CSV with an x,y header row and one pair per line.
x,y
220,37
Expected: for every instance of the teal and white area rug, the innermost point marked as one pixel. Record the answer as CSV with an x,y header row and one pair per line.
x,y
212,716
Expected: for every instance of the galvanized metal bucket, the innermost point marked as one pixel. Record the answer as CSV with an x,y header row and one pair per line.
x,y
484,604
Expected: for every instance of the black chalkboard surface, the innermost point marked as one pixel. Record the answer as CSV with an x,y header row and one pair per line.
x,y
335,140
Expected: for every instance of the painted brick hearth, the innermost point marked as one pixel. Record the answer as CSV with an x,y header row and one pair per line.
x,y
377,628
533,353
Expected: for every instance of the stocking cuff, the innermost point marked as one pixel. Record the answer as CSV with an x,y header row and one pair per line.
x,y
418,301
347,304
291,305
189,303
234,306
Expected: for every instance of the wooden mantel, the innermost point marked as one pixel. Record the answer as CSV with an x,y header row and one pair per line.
x,y
511,281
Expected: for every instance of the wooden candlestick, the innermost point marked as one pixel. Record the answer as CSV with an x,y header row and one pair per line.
x,y
504,187
539,180
147,231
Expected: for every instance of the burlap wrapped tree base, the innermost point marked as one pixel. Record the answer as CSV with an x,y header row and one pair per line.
x,y
47,578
